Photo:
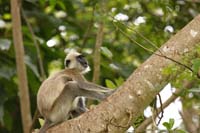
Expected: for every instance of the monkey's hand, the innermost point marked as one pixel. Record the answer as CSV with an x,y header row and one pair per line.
x,y
109,92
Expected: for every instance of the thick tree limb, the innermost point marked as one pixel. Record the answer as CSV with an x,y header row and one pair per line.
x,y
21,68
117,112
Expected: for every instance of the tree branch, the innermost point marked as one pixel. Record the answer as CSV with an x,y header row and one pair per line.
x,y
21,68
97,54
117,112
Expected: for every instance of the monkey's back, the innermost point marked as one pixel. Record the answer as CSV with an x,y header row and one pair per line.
x,y
50,92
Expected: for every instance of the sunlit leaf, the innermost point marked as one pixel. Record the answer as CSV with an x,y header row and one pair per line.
x,y
196,65
169,124
52,3
166,124
31,66
119,81
106,52
41,121
110,84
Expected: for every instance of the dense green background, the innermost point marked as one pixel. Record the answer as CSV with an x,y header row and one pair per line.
x,y
119,57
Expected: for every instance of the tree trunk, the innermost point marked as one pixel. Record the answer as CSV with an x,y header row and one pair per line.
x,y
21,68
117,112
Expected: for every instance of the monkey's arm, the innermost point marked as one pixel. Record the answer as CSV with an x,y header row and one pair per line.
x,y
85,85
92,94
94,91
86,89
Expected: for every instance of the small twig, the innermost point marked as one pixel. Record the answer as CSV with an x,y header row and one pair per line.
x,y
161,107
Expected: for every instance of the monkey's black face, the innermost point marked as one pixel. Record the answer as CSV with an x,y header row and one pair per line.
x,y
81,59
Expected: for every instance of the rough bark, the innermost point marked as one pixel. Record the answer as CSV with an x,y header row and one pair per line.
x,y
117,112
21,68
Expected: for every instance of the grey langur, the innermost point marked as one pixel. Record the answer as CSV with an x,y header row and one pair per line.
x,y
57,95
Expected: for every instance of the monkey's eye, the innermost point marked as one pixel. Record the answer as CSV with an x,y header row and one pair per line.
x,y
80,56
67,63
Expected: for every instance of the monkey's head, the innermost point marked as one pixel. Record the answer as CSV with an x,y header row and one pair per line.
x,y
75,60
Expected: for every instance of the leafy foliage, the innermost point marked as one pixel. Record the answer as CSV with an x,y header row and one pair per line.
x,y
169,125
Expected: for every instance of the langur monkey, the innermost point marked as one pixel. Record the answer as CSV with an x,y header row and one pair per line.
x,y
57,95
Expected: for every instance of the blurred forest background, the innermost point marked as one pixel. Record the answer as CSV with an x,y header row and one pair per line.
x,y
56,26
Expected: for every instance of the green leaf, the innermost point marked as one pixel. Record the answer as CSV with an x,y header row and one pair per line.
x,y
196,65
119,81
166,124
106,52
31,66
41,121
110,84
61,4
52,3
171,123
169,70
